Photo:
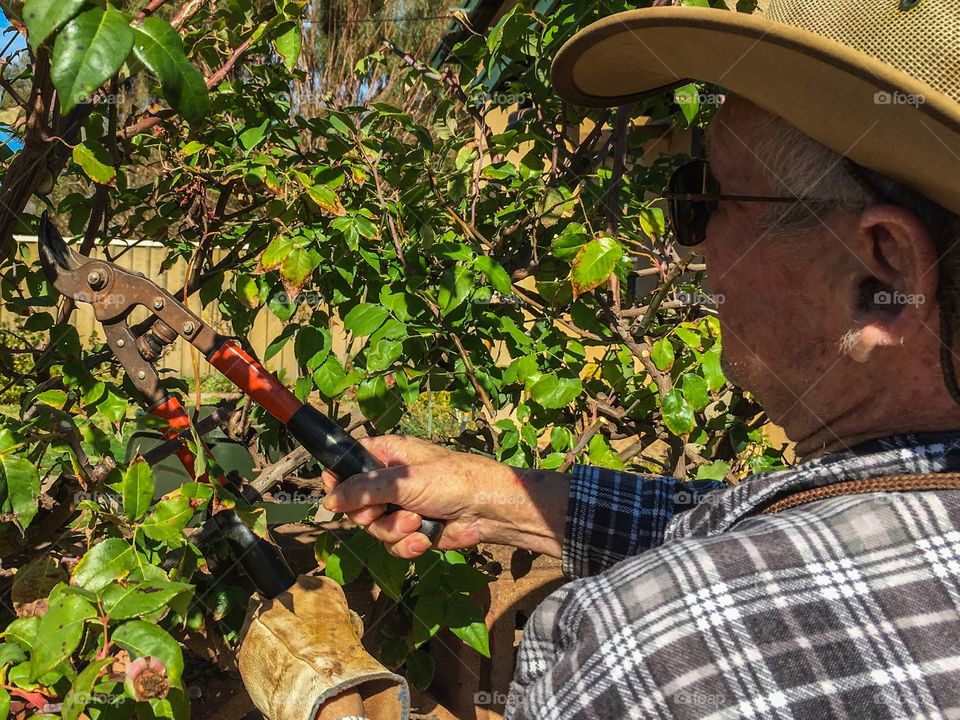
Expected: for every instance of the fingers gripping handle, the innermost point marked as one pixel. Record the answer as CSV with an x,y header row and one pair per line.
x,y
341,454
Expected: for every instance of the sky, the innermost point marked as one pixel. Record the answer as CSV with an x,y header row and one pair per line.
x,y
6,138
4,24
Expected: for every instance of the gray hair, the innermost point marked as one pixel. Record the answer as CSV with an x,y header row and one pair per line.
x,y
798,165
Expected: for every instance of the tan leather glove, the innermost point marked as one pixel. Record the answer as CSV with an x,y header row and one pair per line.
x,y
302,648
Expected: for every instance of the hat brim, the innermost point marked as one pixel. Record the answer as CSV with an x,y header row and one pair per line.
x,y
830,91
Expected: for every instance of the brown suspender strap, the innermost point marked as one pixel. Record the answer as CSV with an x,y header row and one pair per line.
x,y
889,483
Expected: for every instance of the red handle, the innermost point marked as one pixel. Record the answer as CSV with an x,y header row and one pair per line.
x,y
255,380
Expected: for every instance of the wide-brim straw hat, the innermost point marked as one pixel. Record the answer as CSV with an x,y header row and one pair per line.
x,y
877,81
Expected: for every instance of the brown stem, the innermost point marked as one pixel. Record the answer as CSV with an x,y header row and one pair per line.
x,y
274,474
471,373
641,327
29,166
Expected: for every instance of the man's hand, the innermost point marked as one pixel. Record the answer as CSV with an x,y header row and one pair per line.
x,y
480,499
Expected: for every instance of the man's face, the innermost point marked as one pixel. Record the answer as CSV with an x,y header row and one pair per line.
x,y
784,309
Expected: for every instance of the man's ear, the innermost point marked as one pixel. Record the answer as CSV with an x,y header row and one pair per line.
x,y
895,295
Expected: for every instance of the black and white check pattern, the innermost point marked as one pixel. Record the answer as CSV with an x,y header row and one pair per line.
x,y
843,608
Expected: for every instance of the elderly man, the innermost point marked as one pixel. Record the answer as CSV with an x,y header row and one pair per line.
x,y
827,216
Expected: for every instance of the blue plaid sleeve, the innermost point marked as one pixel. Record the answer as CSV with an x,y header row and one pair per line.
x,y
612,515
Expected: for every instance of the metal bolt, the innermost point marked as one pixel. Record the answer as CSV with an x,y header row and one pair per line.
x,y
121,343
95,279
158,304
188,328
141,375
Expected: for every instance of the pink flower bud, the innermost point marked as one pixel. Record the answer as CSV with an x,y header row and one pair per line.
x,y
146,679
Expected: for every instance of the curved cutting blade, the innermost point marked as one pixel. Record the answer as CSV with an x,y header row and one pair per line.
x,y
54,252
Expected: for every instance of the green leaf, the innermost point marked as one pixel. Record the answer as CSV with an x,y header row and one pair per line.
x,y
689,338
330,377
287,43
420,669
276,345
105,562
687,97
427,616
113,407
22,482
326,199
86,156
43,17
192,147
387,571
59,632
554,392
712,370
142,639
168,519
594,263
602,454
466,579
296,267
364,318
383,354
82,689
717,470
312,346
255,519
455,284
346,564
11,653
495,273
23,631
137,489
89,51
380,403
677,414
253,136
652,222
137,599
568,244
275,252
158,46
465,619
662,354
695,391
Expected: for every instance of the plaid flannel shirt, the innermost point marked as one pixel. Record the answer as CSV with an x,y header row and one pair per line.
x,y
845,607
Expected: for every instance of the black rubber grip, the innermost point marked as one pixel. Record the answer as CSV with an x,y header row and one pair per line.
x,y
341,454
260,559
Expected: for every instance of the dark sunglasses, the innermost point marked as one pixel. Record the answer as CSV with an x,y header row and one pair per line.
x,y
692,195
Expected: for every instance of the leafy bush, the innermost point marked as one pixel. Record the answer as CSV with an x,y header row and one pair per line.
x,y
494,267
